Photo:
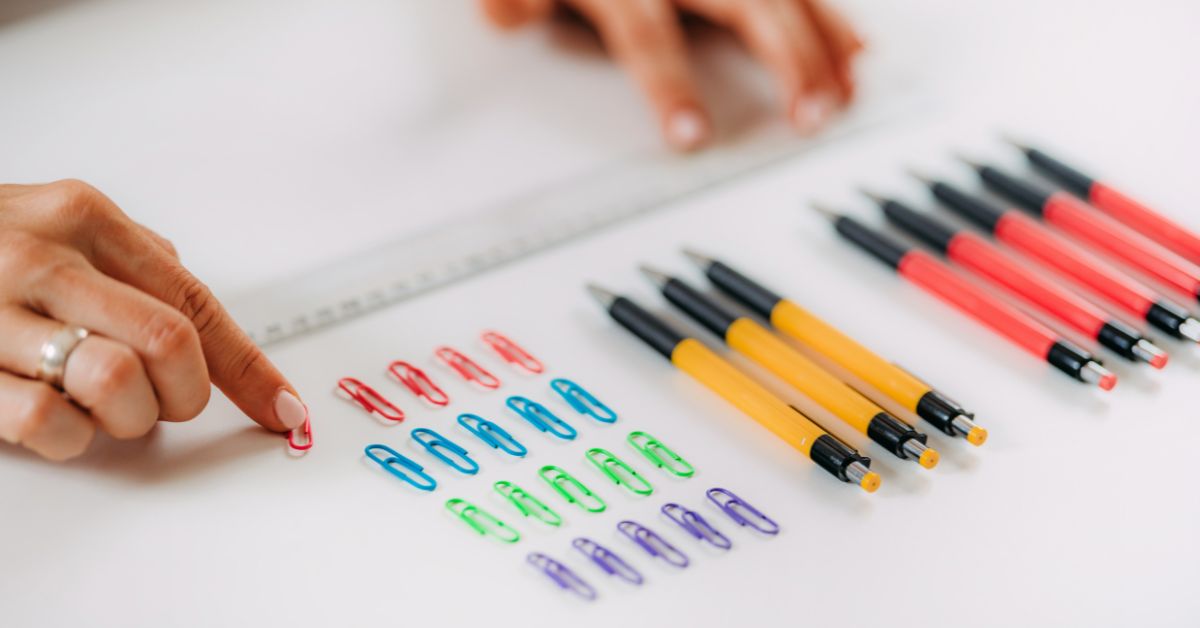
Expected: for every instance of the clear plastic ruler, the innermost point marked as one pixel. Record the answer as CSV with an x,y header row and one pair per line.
x,y
406,268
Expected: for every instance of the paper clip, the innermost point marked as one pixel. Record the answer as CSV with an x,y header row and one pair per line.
x,y
583,401
438,445
696,525
395,462
527,504
370,399
577,493
512,352
660,455
305,431
619,471
491,434
607,560
540,417
418,383
742,513
467,368
561,575
482,521
653,544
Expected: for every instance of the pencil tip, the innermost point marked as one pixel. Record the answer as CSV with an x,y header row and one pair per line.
x,y
920,176
1020,145
658,278
698,258
969,161
604,297
824,210
874,196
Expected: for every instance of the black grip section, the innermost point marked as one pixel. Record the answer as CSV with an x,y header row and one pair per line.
x,y
706,311
922,226
1120,338
834,456
892,433
939,411
886,249
1167,317
645,325
745,290
1023,193
973,208
1068,358
1069,177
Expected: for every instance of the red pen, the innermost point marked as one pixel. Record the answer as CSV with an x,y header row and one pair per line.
x,y
985,260
922,269
1022,233
1113,202
1101,232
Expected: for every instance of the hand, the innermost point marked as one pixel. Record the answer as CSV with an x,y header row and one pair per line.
x,y
806,44
68,255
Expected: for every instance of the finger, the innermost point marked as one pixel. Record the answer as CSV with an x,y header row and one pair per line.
x,y
103,376
161,337
515,13
841,41
646,38
39,418
162,242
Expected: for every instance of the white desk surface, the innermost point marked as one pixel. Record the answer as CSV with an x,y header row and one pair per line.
x,y
331,121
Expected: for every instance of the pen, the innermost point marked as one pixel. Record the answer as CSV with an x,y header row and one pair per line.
x,y
985,260
1101,232
1026,235
1116,204
757,343
695,359
923,270
935,407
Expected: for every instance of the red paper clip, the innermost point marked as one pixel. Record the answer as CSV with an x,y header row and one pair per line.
x,y
467,368
418,383
306,430
370,399
512,352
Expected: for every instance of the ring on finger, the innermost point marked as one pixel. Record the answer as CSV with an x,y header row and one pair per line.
x,y
56,351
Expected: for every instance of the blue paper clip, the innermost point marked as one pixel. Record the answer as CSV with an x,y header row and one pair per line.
x,y
436,443
541,418
394,462
562,575
608,561
741,512
583,401
696,525
653,544
492,434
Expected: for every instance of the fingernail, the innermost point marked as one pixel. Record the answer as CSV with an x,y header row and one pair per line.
x,y
811,113
289,410
686,129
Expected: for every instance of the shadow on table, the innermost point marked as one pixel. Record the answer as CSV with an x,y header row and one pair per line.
x,y
16,10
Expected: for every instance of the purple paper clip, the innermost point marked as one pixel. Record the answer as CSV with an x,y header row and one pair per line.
x,y
696,525
608,561
653,544
562,575
741,512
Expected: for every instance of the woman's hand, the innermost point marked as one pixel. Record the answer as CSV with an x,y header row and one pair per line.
x,y
69,256
806,44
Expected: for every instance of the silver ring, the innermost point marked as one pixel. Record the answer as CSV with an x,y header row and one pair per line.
x,y
55,352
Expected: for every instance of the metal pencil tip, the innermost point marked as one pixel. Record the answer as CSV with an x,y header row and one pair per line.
x,y
658,277
826,211
874,196
697,258
604,297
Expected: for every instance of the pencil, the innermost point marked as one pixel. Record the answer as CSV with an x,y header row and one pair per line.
x,y
757,343
933,406
692,357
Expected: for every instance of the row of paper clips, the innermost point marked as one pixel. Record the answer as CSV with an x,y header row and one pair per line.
x,y
653,544
421,385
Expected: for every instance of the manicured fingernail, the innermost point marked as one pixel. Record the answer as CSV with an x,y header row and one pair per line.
x,y
686,129
811,113
289,410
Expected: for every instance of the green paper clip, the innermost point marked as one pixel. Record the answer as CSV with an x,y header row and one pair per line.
x,y
527,504
581,494
482,521
660,455
619,471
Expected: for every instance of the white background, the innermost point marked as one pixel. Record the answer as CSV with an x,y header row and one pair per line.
x,y
266,137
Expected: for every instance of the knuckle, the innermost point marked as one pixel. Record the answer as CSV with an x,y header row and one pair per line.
x,y
195,301
168,334
40,404
77,201
243,360
117,370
